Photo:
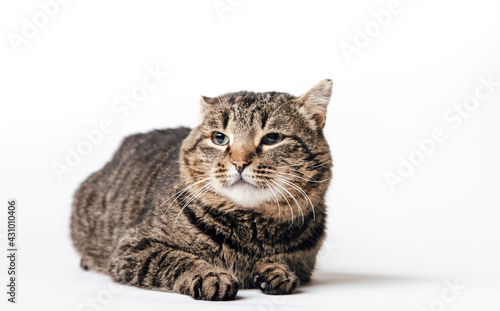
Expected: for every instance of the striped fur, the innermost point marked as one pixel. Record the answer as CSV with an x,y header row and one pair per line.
x,y
163,214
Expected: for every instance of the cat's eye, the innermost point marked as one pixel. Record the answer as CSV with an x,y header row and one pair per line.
x,y
220,139
272,139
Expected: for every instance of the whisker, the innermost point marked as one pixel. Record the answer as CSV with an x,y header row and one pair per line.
x,y
290,165
318,165
291,211
304,174
289,181
302,192
181,192
195,194
179,184
299,207
189,196
277,201
296,202
198,199
186,179
308,180
315,166
313,179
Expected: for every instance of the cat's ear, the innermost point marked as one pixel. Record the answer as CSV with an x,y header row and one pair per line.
x,y
206,103
316,101
206,100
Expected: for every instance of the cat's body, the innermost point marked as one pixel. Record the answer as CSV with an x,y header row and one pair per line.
x,y
191,212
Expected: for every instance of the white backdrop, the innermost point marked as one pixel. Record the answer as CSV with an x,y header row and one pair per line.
x,y
413,125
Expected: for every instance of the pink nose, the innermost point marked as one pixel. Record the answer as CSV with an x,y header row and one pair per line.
x,y
240,165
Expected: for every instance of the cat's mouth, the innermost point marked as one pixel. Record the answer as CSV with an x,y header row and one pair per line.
x,y
243,183
245,192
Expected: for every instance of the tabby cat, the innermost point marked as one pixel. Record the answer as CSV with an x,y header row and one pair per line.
x,y
237,202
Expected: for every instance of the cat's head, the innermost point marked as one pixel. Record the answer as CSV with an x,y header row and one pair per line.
x,y
256,150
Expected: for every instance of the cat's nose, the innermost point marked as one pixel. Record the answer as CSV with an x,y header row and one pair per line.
x,y
241,164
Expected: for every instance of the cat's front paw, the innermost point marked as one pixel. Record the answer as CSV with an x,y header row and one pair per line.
x,y
213,285
275,279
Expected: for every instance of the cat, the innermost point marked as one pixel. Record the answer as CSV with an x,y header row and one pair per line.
x,y
237,202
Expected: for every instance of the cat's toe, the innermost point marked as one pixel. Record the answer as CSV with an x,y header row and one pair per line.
x,y
276,279
214,286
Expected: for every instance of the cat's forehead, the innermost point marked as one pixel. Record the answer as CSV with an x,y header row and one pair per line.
x,y
247,99
246,112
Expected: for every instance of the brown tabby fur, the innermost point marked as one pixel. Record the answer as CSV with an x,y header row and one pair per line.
x,y
133,221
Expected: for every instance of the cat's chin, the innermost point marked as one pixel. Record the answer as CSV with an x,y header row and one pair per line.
x,y
246,195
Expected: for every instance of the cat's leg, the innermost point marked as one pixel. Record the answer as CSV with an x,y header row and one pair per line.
x,y
275,278
149,263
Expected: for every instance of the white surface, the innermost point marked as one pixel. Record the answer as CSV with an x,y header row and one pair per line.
x,y
387,250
